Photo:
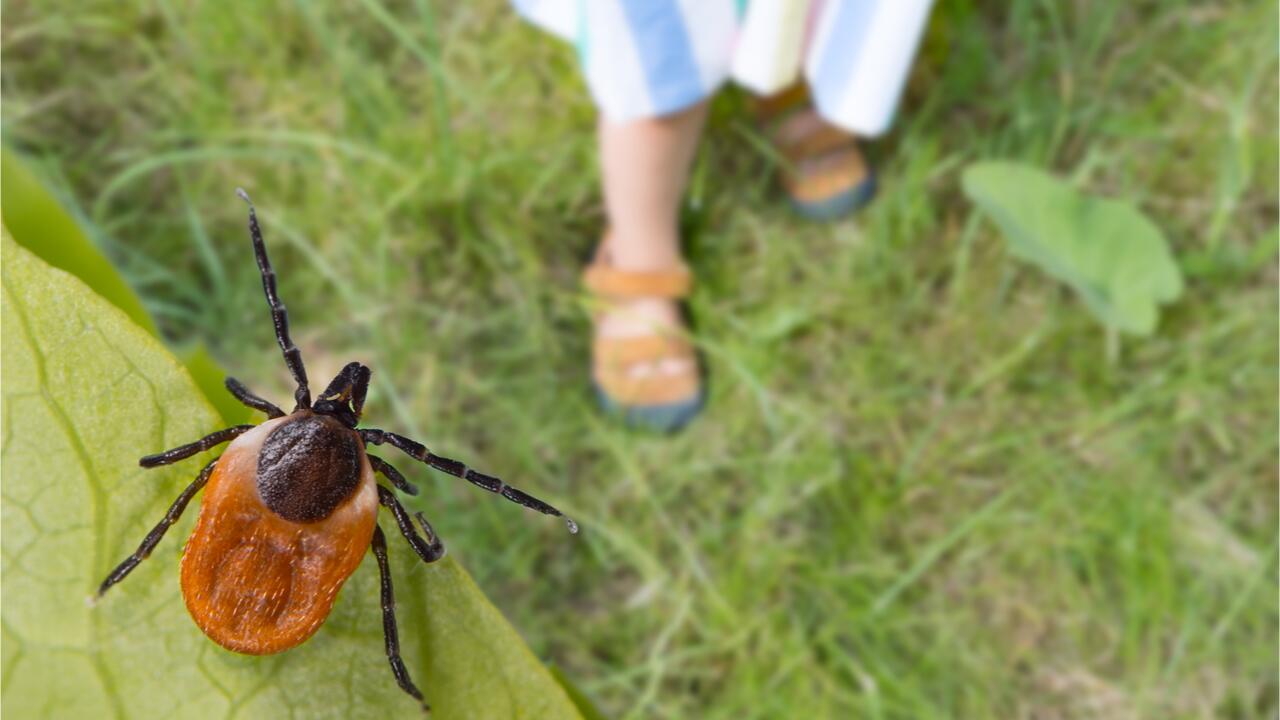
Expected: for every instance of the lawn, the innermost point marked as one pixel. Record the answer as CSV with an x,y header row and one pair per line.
x,y
924,487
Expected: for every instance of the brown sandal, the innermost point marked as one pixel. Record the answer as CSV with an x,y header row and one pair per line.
x,y
660,401
826,176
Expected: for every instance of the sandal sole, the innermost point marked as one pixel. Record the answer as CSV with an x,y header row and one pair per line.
x,y
839,205
666,418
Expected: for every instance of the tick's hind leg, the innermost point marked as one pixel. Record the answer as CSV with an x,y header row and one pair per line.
x,y
398,669
430,549
153,538
246,396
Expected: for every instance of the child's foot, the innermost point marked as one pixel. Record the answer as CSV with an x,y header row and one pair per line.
x,y
643,366
826,176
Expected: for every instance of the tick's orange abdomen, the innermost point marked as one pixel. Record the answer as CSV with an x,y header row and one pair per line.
x,y
256,583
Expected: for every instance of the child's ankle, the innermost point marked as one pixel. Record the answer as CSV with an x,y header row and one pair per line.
x,y
644,252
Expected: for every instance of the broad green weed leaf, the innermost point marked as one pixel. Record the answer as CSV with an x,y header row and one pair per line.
x,y
586,706
40,224
85,392
1108,251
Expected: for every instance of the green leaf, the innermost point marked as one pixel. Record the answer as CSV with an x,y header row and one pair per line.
x,y
586,706
38,222
1108,251
85,392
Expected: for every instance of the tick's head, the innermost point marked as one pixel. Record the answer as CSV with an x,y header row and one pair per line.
x,y
344,398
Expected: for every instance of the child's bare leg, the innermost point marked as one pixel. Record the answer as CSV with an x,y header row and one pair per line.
x,y
644,169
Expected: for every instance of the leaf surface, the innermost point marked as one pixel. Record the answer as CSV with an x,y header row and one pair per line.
x,y
1106,250
85,393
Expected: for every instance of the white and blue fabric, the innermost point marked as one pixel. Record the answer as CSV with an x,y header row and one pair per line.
x,y
646,58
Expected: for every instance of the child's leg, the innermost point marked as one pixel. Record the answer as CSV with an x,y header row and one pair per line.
x,y
643,365
644,169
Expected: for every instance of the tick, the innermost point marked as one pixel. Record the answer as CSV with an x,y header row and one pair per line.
x,y
291,506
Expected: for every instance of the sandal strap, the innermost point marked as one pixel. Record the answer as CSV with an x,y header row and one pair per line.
x,y
611,282
777,106
783,116
626,351
821,178
615,358
652,390
822,139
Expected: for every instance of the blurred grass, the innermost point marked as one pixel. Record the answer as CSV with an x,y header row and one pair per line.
x,y
920,489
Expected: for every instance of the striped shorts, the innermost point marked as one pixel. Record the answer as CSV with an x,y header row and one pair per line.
x,y
647,58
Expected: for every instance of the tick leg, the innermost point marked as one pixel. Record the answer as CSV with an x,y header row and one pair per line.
x,y
398,669
431,549
244,395
382,466
153,538
279,316
185,451
418,451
